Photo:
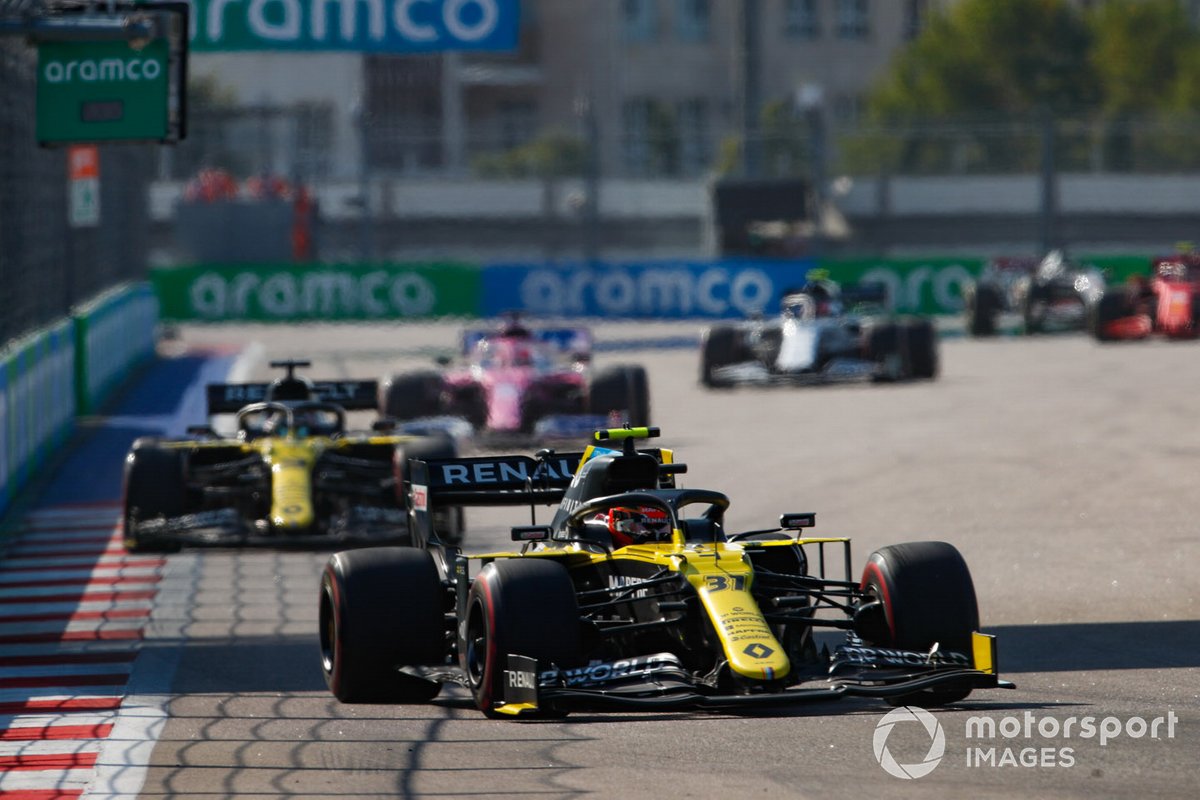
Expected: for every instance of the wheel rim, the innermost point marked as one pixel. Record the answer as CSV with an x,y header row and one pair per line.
x,y
477,644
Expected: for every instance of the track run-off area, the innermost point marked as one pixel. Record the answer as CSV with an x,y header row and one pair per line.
x,y
1065,471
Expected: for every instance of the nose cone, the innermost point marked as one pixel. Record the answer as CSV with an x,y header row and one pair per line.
x,y
504,410
291,497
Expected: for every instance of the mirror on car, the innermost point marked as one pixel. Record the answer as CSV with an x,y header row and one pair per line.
x,y
530,533
795,521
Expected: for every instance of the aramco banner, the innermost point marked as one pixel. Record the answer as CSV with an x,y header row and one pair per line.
x,y
328,292
370,26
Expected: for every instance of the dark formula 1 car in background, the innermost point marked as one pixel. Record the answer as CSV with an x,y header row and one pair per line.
x,y
291,473
825,332
523,381
635,597
1164,302
1051,294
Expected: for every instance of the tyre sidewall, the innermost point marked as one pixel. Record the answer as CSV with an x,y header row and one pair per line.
x,y
387,611
525,607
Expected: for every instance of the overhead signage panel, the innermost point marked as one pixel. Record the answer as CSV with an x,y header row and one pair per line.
x,y
97,91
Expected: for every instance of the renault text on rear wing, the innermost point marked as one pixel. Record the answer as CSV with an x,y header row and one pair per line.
x,y
490,480
229,398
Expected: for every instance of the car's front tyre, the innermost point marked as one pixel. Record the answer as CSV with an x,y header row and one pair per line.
x,y
153,489
928,598
523,606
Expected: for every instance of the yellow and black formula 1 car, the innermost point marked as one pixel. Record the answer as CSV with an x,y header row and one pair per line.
x,y
292,472
635,597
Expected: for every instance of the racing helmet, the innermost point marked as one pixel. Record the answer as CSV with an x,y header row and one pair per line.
x,y
637,525
290,388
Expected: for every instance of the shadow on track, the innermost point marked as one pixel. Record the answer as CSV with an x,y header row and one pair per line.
x,y
1079,647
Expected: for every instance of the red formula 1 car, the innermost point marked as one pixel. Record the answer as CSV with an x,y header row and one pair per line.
x,y
1165,302
519,381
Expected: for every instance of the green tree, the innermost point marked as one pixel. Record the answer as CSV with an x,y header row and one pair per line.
x,y
1144,55
552,155
1138,53
982,57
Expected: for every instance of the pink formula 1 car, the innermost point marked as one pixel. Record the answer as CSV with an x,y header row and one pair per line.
x,y
518,380
1167,303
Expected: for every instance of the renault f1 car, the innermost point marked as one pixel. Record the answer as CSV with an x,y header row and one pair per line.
x,y
291,473
1165,302
686,614
517,381
824,333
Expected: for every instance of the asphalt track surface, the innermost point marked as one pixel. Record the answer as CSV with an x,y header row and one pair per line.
x,y
1065,471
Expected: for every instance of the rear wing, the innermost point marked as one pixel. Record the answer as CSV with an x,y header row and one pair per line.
x,y
229,398
490,480
501,480
564,340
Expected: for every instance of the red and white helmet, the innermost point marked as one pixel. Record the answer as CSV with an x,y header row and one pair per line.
x,y
638,525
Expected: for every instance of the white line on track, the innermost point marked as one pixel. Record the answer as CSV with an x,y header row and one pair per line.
x,y
44,692
82,573
30,593
8,721
33,780
69,608
49,747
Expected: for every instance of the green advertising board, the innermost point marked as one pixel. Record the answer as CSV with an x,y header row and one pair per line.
x,y
930,285
309,292
103,91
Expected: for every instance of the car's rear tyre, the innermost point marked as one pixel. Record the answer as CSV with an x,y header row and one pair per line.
x,y
624,389
411,395
1108,308
922,349
887,346
381,608
981,304
720,346
1033,310
928,597
523,606
154,488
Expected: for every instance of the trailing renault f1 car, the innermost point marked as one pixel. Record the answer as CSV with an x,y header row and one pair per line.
x,y
1165,303
824,333
634,596
518,381
291,473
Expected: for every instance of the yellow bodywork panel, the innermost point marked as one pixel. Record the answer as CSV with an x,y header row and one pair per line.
x,y
983,647
291,463
722,579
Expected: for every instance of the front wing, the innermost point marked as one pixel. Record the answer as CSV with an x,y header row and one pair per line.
x,y
660,683
836,371
225,527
